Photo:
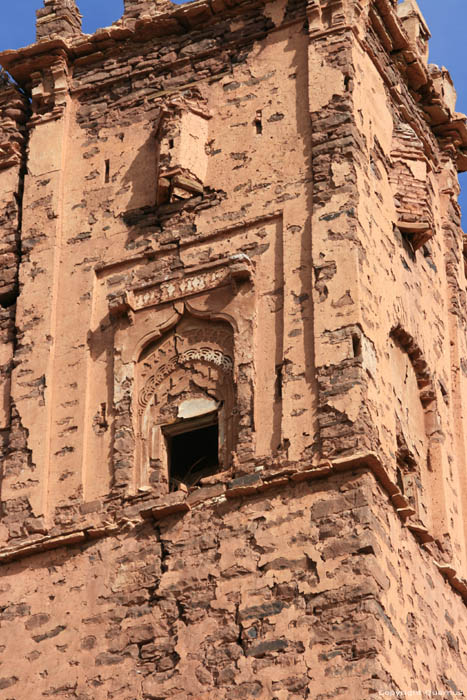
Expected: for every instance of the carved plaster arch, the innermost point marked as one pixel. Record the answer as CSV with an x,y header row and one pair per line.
x,y
213,316
415,471
192,359
209,294
156,333
152,337
204,354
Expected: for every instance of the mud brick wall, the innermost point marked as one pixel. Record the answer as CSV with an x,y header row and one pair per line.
x,y
282,597
105,211
14,111
377,178
250,206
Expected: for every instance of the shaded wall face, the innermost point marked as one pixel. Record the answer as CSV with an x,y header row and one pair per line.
x,y
389,278
424,640
406,283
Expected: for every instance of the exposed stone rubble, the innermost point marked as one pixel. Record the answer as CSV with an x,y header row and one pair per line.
x,y
58,17
145,8
233,355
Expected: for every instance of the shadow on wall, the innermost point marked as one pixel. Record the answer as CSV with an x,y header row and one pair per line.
x,y
140,178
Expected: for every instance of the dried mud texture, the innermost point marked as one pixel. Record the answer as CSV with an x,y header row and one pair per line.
x,y
240,215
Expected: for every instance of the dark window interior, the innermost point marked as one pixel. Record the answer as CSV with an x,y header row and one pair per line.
x,y
356,345
192,454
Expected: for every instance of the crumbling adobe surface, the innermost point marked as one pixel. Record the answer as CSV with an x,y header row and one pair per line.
x,y
242,214
282,596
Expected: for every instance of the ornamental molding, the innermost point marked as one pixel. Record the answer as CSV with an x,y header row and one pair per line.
x,y
197,280
204,354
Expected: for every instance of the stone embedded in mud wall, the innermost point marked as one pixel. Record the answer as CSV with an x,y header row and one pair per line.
x,y
142,8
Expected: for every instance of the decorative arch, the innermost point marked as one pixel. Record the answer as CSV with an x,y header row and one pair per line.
x,y
184,379
420,366
175,330
417,424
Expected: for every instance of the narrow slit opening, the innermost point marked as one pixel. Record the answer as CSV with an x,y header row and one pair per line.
x,y
279,380
259,122
107,171
356,346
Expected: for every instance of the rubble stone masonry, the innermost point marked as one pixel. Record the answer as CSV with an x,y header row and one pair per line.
x,y
233,356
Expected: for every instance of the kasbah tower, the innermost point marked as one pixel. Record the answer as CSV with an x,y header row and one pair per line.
x,y
233,356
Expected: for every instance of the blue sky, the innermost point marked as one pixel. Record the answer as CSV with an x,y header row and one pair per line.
x,y
447,20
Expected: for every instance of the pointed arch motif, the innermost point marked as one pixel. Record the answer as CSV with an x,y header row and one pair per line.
x,y
192,362
417,424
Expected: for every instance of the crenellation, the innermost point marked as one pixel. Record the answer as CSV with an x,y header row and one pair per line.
x,y
414,24
233,355
58,18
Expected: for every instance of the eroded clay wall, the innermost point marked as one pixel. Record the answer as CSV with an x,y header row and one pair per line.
x,y
278,598
251,206
93,232
285,596
389,279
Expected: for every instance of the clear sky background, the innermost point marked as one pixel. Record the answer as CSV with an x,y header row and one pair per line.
x,y
447,20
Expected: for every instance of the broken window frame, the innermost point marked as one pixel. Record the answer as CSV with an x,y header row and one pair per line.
x,y
190,425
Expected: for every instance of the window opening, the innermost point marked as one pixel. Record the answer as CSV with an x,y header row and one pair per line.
x,y
259,121
192,450
407,471
107,171
356,346
279,381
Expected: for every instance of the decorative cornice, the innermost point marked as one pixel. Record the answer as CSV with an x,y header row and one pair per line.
x,y
193,280
102,522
